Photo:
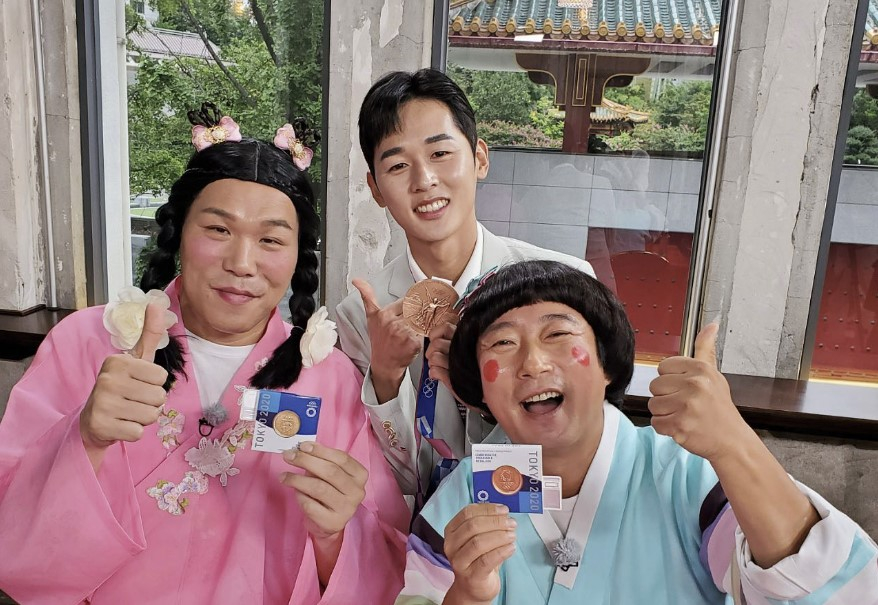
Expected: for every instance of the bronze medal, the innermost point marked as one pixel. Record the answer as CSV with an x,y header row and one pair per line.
x,y
506,480
286,423
427,304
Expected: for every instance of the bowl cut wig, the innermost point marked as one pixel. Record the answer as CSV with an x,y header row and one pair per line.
x,y
529,282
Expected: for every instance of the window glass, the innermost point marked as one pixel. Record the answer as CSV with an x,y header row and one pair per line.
x,y
259,61
846,338
597,116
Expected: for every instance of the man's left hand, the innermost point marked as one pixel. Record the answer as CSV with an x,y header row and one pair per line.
x,y
692,403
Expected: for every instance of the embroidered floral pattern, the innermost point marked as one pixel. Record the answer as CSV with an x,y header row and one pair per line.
x,y
211,458
170,425
170,496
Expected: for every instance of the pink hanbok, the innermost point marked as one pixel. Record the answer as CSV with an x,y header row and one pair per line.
x,y
174,518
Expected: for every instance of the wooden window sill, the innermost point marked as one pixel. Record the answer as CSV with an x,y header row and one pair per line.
x,y
21,335
823,409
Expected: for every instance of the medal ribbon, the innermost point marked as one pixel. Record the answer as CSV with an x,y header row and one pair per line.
x,y
425,409
425,415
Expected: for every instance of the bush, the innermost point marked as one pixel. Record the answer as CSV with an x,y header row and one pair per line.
x,y
499,132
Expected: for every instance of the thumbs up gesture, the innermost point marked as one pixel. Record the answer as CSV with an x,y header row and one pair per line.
x,y
394,343
692,403
128,393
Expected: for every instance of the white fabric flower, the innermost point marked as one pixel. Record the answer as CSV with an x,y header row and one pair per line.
x,y
123,318
319,338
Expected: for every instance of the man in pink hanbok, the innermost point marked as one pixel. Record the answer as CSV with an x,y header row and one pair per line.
x,y
126,475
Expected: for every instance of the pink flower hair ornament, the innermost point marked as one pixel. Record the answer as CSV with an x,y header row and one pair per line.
x,y
287,140
205,136
208,128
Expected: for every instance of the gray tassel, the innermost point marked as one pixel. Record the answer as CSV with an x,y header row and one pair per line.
x,y
566,553
216,414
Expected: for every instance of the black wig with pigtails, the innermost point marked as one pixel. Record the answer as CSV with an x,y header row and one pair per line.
x,y
257,162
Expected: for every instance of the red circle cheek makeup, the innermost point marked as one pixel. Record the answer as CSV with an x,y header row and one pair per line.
x,y
581,356
491,370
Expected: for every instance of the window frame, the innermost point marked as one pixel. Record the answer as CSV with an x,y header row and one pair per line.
x,y
844,118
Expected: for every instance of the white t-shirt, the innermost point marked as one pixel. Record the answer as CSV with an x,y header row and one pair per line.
x,y
214,367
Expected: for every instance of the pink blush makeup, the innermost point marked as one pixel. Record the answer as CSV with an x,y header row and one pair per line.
x,y
491,370
581,356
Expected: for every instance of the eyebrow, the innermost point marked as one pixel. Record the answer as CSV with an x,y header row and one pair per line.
x,y
543,320
444,136
272,222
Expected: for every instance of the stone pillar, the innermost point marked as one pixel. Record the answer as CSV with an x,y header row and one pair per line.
x,y
22,238
789,70
61,65
367,38
28,184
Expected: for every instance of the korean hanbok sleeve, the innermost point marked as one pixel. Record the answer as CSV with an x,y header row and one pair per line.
x,y
63,530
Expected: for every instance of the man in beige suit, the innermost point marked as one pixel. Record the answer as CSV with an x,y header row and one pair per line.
x,y
418,135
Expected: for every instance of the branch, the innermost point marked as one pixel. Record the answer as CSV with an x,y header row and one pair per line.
x,y
263,30
200,30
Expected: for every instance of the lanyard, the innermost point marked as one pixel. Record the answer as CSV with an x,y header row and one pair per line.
x,y
425,417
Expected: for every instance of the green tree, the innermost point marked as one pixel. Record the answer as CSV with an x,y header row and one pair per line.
x,y
498,95
268,73
862,146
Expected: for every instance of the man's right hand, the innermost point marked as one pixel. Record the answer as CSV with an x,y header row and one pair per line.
x,y
128,393
394,343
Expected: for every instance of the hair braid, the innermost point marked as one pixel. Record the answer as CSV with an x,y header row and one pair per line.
x,y
285,365
160,270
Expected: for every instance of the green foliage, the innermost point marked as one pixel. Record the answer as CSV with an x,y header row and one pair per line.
x,y
548,119
654,137
684,104
862,142
273,93
498,132
679,119
635,95
498,95
862,146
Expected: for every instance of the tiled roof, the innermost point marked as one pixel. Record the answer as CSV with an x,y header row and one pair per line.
x,y
611,112
652,21
167,43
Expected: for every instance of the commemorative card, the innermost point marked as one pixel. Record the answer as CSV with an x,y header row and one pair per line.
x,y
511,475
283,420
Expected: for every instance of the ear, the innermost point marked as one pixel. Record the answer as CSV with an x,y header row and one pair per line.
x,y
481,159
376,193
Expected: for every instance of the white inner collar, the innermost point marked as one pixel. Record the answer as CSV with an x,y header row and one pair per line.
x,y
470,272
586,503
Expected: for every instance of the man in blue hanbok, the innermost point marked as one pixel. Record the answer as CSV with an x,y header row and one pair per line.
x,y
694,509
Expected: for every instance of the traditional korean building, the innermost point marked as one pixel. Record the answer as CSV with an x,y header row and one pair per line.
x,y
580,51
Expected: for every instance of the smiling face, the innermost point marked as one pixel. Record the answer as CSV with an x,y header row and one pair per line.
x,y
542,378
426,175
238,253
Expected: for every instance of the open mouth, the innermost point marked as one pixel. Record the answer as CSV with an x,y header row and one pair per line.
x,y
434,206
543,403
